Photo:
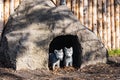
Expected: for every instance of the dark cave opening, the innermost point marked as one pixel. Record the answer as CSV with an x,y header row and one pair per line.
x,y
62,41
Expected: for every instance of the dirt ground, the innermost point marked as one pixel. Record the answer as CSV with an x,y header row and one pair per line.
x,y
110,71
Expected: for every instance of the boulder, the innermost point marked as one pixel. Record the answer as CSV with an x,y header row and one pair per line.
x,y
37,27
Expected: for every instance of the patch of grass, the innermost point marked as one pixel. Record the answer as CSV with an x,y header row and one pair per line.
x,y
115,52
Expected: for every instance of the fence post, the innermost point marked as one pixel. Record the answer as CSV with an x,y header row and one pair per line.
x,y
69,5
6,10
117,23
90,8
85,12
16,3
81,11
1,16
11,6
105,39
113,24
77,8
99,21
95,16
108,23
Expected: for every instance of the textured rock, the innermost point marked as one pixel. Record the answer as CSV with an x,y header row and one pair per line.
x,y
37,28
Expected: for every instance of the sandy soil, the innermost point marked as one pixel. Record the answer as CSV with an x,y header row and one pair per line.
x,y
110,71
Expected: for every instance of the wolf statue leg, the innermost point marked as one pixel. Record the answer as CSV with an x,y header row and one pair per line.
x,y
56,64
53,66
71,63
67,64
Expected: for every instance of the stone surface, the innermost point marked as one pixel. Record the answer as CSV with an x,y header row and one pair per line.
x,y
30,35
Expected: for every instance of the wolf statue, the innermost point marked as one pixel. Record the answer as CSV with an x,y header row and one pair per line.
x,y
55,58
68,56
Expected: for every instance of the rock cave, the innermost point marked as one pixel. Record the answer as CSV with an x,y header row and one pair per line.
x,y
37,27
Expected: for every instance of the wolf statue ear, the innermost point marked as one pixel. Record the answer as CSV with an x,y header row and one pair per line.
x,y
55,51
65,47
61,50
71,48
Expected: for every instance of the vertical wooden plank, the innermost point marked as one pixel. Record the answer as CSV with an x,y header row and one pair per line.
x,y
113,24
81,12
58,2
16,3
74,7
11,6
85,12
107,24
95,16
1,16
71,4
68,4
90,14
77,9
99,22
117,24
6,10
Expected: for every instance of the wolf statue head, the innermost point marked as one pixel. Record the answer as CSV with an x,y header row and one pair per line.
x,y
68,51
59,54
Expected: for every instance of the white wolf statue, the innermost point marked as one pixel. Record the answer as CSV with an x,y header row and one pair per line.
x,y
68,56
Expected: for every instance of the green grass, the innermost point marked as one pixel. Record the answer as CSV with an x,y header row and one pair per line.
x,y
115,52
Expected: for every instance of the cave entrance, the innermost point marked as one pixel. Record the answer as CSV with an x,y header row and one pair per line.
x,y
62,41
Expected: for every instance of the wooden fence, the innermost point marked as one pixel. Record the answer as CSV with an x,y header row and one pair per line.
x,y
101,16
7,7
